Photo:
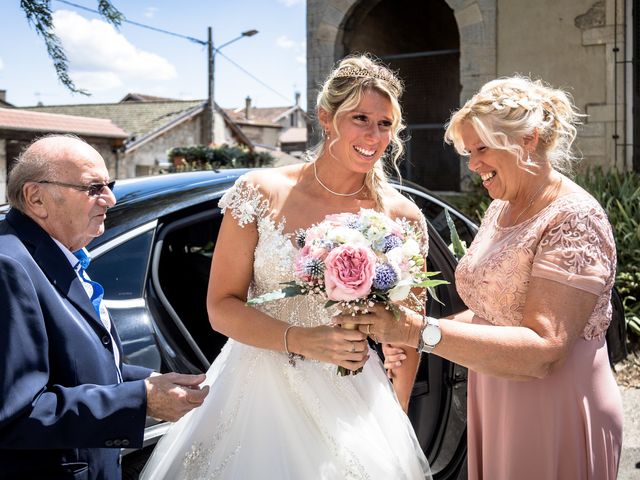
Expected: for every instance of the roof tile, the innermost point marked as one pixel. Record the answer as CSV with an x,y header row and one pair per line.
x,y
137,118
18,119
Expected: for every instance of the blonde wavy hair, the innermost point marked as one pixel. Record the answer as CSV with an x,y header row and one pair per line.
x,y
507,110
342,92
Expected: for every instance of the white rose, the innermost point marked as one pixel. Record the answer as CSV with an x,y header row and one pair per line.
x,y
345,235
395,256
410,248
400,291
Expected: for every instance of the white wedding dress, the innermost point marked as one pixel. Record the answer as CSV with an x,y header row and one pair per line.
x,y
265,419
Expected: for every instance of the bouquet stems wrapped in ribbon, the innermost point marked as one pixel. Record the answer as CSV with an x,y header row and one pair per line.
x,y
355,260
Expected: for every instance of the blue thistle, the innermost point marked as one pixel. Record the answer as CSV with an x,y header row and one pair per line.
x,y
300,236
390,242
353,222
385,277
326,244
314,268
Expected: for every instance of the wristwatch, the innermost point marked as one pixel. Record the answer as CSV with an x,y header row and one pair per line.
x,y
431,334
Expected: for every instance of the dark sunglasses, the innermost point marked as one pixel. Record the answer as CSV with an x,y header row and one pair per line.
x,y
93,190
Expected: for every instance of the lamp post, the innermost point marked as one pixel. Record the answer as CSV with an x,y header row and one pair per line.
x,y
211,57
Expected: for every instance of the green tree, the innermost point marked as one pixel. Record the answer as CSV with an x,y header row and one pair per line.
x,y
39,16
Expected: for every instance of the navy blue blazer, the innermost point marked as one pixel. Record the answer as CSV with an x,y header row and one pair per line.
x,y
62,412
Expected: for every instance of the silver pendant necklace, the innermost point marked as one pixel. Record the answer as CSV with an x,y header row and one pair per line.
x,y
315,174
531,202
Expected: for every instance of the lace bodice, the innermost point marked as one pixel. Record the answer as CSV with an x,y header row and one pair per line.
x,y
274,256
570,241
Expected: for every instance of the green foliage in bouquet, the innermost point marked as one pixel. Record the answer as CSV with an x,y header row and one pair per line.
x,y
457,246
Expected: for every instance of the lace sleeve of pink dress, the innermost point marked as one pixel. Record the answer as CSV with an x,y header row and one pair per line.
x,y
577,249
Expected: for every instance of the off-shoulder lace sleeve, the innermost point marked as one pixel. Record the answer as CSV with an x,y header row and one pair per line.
x,y
245,202
578,249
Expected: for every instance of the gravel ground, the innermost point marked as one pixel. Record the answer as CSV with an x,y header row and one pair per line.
x,y
628,371
628,377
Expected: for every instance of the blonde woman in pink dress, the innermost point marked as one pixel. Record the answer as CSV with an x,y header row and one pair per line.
x,y
542,400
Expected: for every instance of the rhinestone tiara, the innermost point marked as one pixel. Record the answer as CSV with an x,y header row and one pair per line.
x,y
364,73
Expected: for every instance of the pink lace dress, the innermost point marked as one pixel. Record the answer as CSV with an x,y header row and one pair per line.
x,y
569,424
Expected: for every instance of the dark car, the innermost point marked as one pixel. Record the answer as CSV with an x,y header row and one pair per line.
x,y
154,260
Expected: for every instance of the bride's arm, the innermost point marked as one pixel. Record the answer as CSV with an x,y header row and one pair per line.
x,y
231,275
403,376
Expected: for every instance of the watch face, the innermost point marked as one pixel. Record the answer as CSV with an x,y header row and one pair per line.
x,y
432,335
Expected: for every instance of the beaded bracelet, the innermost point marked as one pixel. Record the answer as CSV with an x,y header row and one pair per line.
x,y
292,356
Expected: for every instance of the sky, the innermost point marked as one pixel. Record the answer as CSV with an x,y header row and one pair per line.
x,y
110,63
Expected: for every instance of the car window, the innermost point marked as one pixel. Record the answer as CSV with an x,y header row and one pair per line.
x,y
183,275
122,271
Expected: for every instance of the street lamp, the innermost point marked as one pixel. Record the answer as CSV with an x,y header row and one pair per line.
x,y
212,52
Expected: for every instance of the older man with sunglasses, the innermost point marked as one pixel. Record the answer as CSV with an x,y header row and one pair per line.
x,y
67,402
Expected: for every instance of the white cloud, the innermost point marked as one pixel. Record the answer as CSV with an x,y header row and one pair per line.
x,y
98,81
150,12
301,59
290,3
1,64
284,42
101,56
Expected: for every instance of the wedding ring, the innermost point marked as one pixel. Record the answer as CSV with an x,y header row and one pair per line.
x,y
368,329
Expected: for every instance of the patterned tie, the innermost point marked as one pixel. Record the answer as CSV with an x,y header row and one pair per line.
x,y
96,292
93,289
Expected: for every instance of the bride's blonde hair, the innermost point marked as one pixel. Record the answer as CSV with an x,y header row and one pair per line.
x,y
342,92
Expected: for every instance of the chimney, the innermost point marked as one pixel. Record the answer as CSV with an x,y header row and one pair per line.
x,y
297,99
3,95
247,107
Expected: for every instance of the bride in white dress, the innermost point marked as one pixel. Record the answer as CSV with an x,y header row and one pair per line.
x,y
277,409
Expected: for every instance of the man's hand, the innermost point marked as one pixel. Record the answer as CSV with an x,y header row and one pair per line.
x,y
172,395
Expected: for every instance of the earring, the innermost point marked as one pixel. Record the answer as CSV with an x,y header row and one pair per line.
x,y
327,134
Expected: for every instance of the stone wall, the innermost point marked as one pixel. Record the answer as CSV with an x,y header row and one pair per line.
x,y
572,44
147,158
266,136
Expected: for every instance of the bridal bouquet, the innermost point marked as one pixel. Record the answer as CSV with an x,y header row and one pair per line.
x,y
356,259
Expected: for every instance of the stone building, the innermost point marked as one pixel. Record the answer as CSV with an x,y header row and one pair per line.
x,y
446,49
18,128
154,125
281,128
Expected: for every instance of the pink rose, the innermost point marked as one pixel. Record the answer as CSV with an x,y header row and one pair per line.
x,y
349,272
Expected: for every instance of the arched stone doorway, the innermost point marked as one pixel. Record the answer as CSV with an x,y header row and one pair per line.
x,y
422,44
412,36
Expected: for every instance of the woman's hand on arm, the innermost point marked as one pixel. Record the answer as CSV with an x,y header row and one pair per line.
x,y
555,315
